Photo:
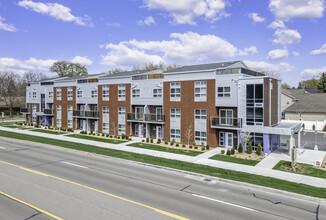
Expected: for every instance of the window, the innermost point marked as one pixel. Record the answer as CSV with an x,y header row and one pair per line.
x,y
34,107
105,110
94,93
139,113
175,113
223,92
121,129
175,91
70,109
122,92
69,123
59,109
159,114
59,123
200,137
105,127
175,134
34,120
226,117
256,138
221,139
122,110
34,93
69,93
136,93
200,113
157,93
200,91
254,102
50,94
105,93
58,93
79,94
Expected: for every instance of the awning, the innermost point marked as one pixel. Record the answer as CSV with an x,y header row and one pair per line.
x,y
282,128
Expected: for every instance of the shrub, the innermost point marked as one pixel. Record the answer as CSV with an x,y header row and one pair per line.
x,y
259,149
183,145
127,137
313,127
93,134
196,147
152,140
303,126
240,148
118,137
115,136
103,134
143,140
194,144
90,133
203,148
207,147
232,151
165,139
222,151
228,152
202,144
166,142
177,145
249,148
183,141
111,136
107,135
158,141
123,136
172,143
190,146
147,140
98,134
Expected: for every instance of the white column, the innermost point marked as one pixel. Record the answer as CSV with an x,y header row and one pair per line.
x,y
299,138
291,144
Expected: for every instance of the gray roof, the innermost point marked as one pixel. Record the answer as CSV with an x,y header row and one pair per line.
x,y
209,66
124,73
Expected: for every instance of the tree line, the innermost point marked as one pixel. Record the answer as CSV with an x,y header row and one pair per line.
x,y
319,84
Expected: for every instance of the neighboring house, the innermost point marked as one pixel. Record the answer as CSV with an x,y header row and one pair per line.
x,y
305,105
214,103
19,102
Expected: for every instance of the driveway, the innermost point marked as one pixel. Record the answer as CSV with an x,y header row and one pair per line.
x,y
308,140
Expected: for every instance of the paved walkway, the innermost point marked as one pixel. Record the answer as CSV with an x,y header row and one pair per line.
x,y
209,154
308,180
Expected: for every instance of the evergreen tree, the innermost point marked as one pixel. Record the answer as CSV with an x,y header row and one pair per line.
x,y
322,83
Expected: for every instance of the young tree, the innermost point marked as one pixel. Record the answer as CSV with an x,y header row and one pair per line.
x,y
68,69
189,133
322,83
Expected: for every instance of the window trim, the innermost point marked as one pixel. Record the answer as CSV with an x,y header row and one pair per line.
x,y
223,94
157,94
134,94
202,96
175,96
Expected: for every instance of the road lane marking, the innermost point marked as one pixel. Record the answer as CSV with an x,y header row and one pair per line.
x,y
2,148
223,202
99,191
29,205
72,164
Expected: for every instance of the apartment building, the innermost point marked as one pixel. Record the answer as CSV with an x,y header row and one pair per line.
x,y
212,104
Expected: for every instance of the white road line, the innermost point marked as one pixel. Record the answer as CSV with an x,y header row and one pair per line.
x,y
227,203
2,148
72,164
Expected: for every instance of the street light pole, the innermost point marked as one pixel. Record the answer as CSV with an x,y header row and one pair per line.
x,y
316,147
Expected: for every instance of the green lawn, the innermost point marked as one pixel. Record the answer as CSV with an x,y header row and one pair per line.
x,y
202,169
49,131
307,169
234,160
94,138
165,149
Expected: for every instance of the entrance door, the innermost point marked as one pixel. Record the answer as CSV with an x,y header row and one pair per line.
x,y
228,140
141,130
158,132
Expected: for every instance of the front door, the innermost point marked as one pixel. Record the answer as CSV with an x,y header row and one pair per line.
x,y
141,130
158,132
228,140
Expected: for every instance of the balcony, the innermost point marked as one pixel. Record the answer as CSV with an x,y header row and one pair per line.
x,y
24,111
226,122
85,114
48,111
147,118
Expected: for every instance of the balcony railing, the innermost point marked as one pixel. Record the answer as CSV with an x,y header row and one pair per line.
x,y
145,117
48,111
85,114
24,110
226,122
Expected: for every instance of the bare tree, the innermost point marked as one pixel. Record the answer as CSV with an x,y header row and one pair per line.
x,y
245,138
189,133
114,128
31,76
116,70
9,88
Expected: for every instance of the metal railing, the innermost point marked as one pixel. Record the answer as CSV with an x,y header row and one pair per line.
x,y
145,117
86,114
24,110
48,111
226,122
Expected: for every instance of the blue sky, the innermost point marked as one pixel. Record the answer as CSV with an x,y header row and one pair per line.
x,y
282,37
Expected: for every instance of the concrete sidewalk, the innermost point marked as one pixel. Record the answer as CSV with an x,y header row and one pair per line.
x,y
308,180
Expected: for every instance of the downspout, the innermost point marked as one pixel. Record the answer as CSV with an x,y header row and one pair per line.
x,y
270,102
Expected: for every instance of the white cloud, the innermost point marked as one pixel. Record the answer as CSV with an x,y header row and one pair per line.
x,y
269,67
276,24
58,11
6,27
289,9
256,18
147,21
246,51
186,11
296,53
20,67
82,60
314,72
322,50
113,24
277,54
286,36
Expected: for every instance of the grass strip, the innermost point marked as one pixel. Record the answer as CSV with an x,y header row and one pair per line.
x,y
164,149
308,169
234,160
196,168
48,131
110,141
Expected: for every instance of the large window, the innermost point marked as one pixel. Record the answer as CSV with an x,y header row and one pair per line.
x,y
175,91
136,93
59,109
34,107
200,137
94,94
175,113
256,138
105,110
221,139
70,109
105,93
223,91
105,127
122,110
79,94
50,94
70,93
59,123
157,93
175,134
69,123
200,113
121,129
226,117
58,93
254,104
122,92
200,91
139,113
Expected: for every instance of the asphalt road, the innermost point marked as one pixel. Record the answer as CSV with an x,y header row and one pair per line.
x,y
74,185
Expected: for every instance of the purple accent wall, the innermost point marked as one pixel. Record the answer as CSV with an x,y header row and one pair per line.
x,y
47,120
275,141
266,144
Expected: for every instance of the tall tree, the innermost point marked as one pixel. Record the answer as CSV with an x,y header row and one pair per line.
x,y
285,86
9,88
114,71
68,69
322,83
31,76
310,83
